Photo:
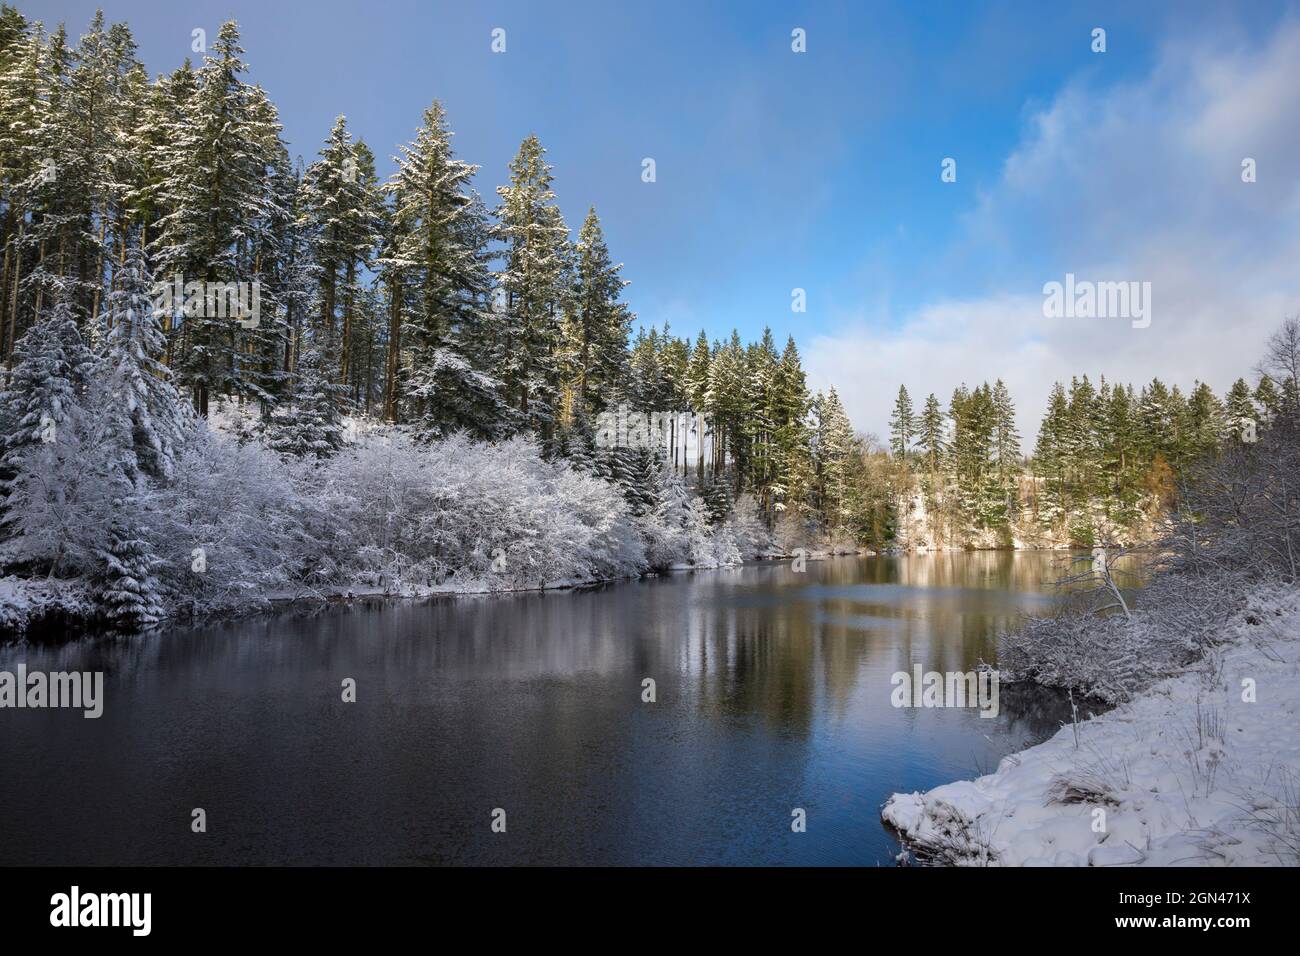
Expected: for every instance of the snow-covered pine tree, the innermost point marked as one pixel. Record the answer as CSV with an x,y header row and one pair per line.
x,y
759,422
310,423
23,103
94,168
156,422
1205,423
126,589
596,329
697,394
443,342
1239,409
792,456
1051,459
1006,448
533,280
216,186
576,441
725,400
276,258
718,498
67,483
1268,398
835,450
46,387
57,207
338,207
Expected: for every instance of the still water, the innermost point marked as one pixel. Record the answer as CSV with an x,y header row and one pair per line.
x,y
773,693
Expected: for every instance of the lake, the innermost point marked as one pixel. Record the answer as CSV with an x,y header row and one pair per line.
x,y
772,693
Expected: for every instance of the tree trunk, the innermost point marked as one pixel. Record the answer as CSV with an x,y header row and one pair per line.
x,y
394,350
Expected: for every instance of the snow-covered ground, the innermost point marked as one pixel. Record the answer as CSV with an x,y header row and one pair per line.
x,y
1200,769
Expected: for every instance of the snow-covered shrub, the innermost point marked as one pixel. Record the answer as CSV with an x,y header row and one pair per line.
x,y
374,512
469,514
67,492
231,529
44,599
747,530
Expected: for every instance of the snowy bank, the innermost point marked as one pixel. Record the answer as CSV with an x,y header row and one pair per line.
x,y
1199,769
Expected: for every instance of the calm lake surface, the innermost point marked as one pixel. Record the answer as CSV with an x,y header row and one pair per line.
x,y
773,692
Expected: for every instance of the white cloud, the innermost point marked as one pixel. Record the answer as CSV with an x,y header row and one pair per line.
x,y
1142,182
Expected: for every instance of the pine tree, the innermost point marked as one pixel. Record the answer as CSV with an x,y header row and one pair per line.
x,y
834,451
533,280
902,426
1268,399
1239,409
338,206
1051,455
697,393
444,344
792,458
156,422
1006,438
758,424
217,185
1119,455
932,433
725,401
45,389
310,424
127,590
24,81
1206,422
596,329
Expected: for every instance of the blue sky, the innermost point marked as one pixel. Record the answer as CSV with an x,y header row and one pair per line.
x,y
820,170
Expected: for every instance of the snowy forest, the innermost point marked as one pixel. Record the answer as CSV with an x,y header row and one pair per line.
x,y
406,401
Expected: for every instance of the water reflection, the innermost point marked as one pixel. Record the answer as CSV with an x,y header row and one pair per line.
x,y
773,692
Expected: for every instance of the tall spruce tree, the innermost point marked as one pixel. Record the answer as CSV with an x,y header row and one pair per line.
x,y
155,422
902,424
596,328
534,285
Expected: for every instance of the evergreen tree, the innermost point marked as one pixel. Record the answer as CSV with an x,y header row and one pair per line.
x,y
338,209
45,388
1051,454
533,280
444,343
834,451
901,424
596,329
217,185
1239,409
311,424
1268,398
931,433
697,393
155,421
127,591
792,458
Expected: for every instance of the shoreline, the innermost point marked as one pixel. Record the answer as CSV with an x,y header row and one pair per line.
x,y
64,603
1198,769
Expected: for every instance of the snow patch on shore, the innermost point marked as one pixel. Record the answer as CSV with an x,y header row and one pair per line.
x,y
1191,772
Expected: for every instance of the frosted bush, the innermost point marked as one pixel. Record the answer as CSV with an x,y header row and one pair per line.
x,y
230,529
